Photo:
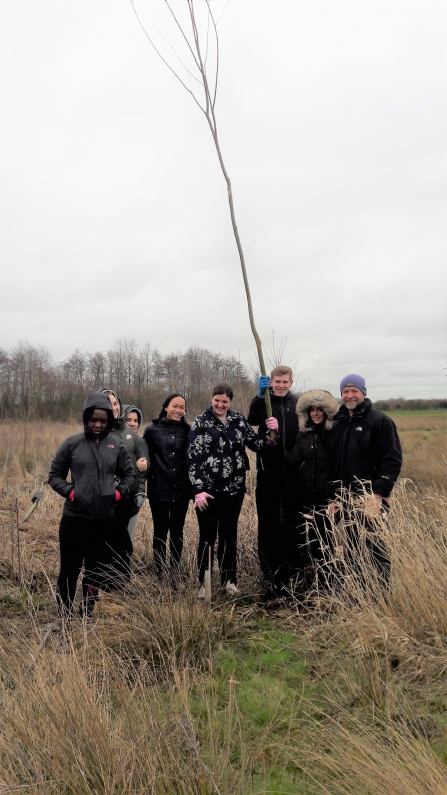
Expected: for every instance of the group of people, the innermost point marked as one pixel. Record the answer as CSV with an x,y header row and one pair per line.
x,y
307,452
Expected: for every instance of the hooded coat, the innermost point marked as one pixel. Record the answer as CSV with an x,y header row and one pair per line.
x,y
168,475
363,448
309,452
127,408
94,462
134,446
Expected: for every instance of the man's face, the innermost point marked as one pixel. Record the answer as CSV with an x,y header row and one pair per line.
x,y
281,384
352,397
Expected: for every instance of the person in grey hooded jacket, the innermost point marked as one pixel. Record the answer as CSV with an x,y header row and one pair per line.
x,y
128,508
96,461
133,418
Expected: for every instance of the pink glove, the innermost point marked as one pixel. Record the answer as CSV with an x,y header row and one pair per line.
x,y
71,496
200,500
272,424
117,496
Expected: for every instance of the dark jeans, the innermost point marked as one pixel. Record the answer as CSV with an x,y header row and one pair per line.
x,y
81,541
221,517
168,517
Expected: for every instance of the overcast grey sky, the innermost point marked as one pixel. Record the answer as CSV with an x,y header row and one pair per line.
x,y
332,117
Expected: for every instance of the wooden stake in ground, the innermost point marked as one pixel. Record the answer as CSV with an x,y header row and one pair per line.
x,y
208,577
201,65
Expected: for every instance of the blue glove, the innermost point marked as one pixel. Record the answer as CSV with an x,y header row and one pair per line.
x,y
263,384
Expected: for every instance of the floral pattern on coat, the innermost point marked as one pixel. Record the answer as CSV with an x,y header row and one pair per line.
x,y
216,452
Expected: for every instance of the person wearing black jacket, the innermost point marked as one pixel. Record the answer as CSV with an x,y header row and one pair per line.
x,y
95,460
275,484
363,453
168,487
315,410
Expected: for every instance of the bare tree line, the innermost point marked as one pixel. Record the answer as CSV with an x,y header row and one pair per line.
x,y
34,386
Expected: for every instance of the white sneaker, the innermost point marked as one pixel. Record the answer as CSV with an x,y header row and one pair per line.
x,y
231,588
201,594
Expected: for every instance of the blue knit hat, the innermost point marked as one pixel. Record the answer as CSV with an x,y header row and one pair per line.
x,y
353,380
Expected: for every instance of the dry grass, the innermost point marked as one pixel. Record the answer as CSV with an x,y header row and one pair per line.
x,y
424,442
125,705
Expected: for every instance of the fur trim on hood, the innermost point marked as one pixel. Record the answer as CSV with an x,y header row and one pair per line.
x,y
320,398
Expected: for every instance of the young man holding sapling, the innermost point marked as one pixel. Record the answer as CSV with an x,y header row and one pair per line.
x,y
275,490
363,454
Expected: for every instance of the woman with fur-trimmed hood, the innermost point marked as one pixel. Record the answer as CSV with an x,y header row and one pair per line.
x,y
315,410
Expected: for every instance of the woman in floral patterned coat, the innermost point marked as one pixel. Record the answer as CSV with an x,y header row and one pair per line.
x,y
217,463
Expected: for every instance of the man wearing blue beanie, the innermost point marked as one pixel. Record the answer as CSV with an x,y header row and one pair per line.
x,y
363,452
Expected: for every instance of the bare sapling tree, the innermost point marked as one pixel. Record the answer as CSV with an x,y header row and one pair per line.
x,y
197,68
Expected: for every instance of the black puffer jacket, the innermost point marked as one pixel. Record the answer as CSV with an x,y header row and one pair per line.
x,y
93,462
364,447
271,461
309,454
168,474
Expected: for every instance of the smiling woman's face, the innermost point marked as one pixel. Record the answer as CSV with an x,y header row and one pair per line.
x,y
317,415
115,405
221,404
132,420
176,409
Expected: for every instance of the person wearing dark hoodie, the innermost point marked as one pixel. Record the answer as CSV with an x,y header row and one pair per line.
x,y
121,543
133,418
168,487
309,544
95,460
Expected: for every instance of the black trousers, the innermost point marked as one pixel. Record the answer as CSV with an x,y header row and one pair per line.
x,y
220,518
119,548
376,549
82,542
276,504
168,517
310,547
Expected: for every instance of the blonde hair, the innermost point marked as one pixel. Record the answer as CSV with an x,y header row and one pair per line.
x,y
282,369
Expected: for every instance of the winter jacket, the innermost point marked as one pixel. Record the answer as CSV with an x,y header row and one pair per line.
x,y
168,474
272,462
136,449
127,408
217,461
365,448
93,463
309,452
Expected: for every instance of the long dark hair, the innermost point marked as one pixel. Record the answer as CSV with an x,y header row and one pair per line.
x,y
167,402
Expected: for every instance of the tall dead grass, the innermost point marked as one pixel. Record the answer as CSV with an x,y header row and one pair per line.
x,y
112,707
